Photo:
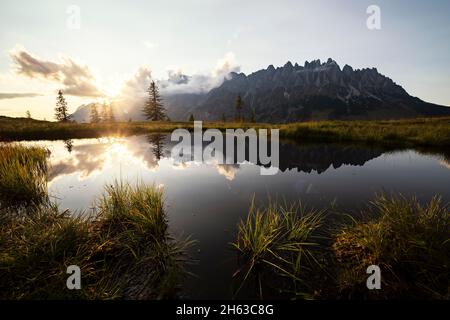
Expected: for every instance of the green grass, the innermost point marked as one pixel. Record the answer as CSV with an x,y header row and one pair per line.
x,y
394,133
123,248
398,133
279,240
28,129
37,245
410,242
23,175
132,230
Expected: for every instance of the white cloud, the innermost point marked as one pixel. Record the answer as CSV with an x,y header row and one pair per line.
x,y
13,95
178,82
76,79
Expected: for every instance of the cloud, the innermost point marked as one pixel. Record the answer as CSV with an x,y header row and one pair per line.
x,y
18,95
138,83
133,93
445,163
177,77
178,82
226,65
228,170
77,80
84,160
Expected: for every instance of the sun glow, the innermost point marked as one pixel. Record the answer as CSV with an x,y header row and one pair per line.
x,y
113,89
117,148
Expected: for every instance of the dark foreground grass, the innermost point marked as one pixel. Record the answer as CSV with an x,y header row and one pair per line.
x,y
125,251
123,248
282,239
23,175
399,133
409,242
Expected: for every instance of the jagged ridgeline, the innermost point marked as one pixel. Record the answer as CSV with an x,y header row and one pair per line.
x,y
314,91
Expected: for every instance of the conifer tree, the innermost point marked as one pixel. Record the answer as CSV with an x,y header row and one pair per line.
x,y
252,117
61,108
239,105
154,109
95,117
112,117
105,117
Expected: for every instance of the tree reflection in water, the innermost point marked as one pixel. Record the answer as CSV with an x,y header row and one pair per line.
x,y
68,144
156,141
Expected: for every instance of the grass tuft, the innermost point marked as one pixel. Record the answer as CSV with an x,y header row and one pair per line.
x,y
23,175
278,239
132,230
410,242
123,249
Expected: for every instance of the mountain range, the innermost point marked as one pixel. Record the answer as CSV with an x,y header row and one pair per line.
x,y
314,91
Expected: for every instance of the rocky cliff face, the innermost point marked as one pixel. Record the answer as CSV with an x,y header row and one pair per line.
x,y
290,93
315,91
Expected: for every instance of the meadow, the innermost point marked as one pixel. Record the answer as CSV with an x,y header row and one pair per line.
x,y
422,132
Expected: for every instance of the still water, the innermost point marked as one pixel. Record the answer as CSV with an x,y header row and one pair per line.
x,y
207,200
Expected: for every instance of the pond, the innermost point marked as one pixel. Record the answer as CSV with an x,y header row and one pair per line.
x,y
207,200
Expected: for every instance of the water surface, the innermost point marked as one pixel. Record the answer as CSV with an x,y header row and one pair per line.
x,y
206,200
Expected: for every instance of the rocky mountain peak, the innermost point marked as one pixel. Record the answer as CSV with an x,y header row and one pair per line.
x,y
347,69
315,90
296,93
288,65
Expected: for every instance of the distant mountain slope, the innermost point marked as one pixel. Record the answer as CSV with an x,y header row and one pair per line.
x,y
315,91
291,93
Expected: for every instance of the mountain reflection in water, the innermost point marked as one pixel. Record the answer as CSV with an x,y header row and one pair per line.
x,y
87,156
207,200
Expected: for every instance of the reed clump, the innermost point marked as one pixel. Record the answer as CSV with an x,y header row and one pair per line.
x,y
410,242
279,240
123,248
407,240
23,175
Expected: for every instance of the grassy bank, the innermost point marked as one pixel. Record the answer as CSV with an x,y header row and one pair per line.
x,y
410,243
395,133
23,175
123,248
399,133
29,129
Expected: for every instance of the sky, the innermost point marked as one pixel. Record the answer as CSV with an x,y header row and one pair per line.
x,y
118,45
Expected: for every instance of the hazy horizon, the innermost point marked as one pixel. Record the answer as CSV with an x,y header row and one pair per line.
x,y
117,46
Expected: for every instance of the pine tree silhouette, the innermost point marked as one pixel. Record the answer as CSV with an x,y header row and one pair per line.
x,y
95,117
61,108
154,109
239,105
112,117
